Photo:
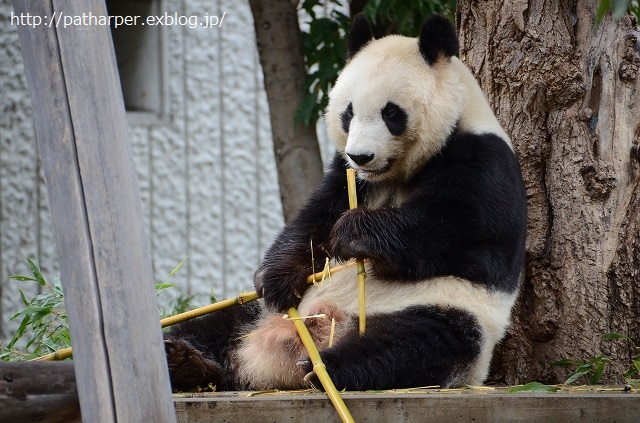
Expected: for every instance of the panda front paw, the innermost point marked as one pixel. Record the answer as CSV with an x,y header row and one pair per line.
x,y
189,369
281,286
349,235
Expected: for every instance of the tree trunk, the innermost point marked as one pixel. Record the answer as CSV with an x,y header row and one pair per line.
x,y
567,93
296,146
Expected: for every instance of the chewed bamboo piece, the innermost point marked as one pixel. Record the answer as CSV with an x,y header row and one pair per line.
x,y
318,366
362,273
201,311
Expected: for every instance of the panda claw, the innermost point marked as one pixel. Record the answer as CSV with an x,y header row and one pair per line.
x,y
309,377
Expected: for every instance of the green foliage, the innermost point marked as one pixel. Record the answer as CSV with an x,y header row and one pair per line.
x,y
324,54
594,368
43,320
632,375
534,387
324,43
591,369
618,9
180,303
405,17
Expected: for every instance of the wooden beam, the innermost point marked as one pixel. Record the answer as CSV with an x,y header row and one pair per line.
x,y
83,140
43,392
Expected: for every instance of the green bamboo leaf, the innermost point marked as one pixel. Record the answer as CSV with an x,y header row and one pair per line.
x,y
614,335
603,8
22,278
173,272
575,376
534,387
35,269
585,367
37,336
23,297
19,332
57,285
595,378
162,286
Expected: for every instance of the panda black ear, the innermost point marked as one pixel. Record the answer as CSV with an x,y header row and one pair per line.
x,y
437,38
359,35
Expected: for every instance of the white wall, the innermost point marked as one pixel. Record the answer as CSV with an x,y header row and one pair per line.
x,y
205,162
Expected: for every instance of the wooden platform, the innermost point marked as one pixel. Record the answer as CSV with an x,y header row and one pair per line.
x,y
610,404
46,392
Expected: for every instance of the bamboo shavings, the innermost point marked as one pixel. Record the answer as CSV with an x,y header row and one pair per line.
x,y
323,274
313,316
333,331
318,366
362,274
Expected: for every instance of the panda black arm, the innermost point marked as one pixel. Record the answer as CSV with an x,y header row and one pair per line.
x,y
281,279
465,216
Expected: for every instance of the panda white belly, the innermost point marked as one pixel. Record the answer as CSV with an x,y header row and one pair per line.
x,y
271,350
491,309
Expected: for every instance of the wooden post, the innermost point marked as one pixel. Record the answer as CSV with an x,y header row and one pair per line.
x,y
104,257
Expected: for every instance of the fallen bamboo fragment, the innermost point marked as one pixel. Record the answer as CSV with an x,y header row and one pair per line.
x,y
201,311
319,368
362,274
61,354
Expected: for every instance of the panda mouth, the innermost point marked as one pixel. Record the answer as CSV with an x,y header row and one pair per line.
x,y
367,173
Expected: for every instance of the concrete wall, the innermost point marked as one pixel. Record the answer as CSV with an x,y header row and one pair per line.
x,y
204,159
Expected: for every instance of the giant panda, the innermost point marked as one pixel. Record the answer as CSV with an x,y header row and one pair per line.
x,y
441,227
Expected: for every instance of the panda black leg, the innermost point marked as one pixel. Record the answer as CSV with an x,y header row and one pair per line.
x,y
198,350
419,346
189,368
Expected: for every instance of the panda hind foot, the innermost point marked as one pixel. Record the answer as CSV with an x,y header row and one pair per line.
x,y
189,369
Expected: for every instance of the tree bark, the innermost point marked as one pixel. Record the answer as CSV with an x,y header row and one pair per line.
x,y
567,93
296,146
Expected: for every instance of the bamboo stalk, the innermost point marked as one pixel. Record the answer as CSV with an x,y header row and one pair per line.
x,y
61,354
201,311
332,270
318,366
362,273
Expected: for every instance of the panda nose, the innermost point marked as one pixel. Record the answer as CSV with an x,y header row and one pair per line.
x,y
361,159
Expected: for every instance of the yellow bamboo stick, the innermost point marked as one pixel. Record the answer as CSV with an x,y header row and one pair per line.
x,y
362,273
61,354
318,366
197,312
201,311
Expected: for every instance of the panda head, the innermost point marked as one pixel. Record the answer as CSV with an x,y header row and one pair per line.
x,y
397,100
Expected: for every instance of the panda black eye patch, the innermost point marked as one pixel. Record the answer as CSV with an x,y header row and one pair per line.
x,y
346,117
395,118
